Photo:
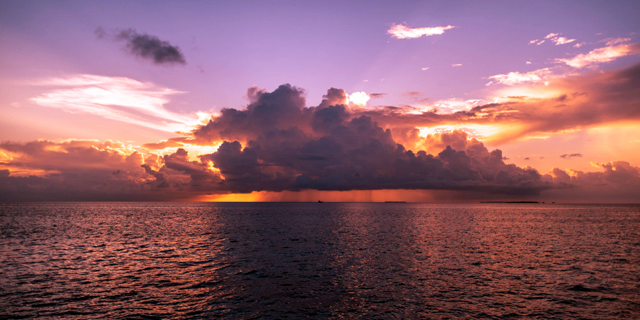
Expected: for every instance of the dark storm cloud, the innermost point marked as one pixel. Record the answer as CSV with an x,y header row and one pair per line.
x,y
146,46
279,144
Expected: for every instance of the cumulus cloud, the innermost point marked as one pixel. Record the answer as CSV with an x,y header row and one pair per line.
x,y
92,170
277,143
331,147
601,55
618,181
512,78
401,31
146,46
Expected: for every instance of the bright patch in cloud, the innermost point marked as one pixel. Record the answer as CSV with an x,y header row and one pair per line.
x,y
425,68
358,98
553,37
477,131
512,78
401,31
601,55
447,106
117,98
457,65
562,40
614,41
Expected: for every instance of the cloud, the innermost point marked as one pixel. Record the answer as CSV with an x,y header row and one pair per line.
x,y
146,46
564,156
278,143
116,98
401,31
618,181
532,109
331,147
512,78
376,95
358,98
614,41
601,55
553,37
457,65
92,170
562,40
425,68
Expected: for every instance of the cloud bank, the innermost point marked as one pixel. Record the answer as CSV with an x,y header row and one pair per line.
x,y
278,143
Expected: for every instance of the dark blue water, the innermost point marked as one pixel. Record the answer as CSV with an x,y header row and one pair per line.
x,y
330,260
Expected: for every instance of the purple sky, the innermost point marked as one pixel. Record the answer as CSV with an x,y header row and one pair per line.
x,y
486,52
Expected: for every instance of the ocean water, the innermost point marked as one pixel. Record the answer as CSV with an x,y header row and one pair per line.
x,y
319,260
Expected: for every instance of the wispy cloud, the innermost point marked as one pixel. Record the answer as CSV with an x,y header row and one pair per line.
x,y
601,55
116,98
512,78
614,41
562,40
553,37
564,156
401,31
457,65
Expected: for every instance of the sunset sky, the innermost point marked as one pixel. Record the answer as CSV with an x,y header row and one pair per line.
x,y
301,101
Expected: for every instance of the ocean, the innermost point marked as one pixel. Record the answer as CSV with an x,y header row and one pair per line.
x,y
136,260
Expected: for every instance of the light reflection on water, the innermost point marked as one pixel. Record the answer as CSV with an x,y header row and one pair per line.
x,y
291,260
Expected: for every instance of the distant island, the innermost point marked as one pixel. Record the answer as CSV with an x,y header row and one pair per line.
x,y
509,202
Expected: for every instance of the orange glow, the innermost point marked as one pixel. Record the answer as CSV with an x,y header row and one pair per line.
x,y
193,150
473,130
325,196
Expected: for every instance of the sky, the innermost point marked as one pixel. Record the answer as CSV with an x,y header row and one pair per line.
x,y
420,101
